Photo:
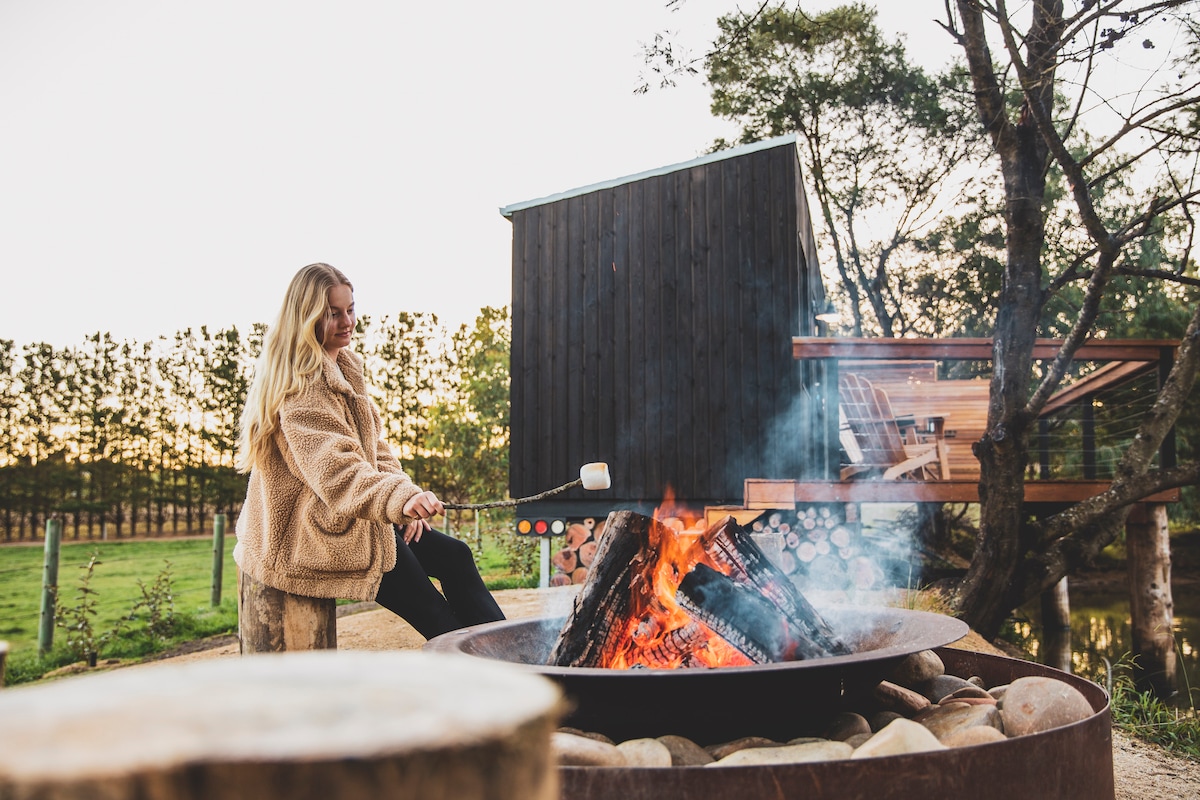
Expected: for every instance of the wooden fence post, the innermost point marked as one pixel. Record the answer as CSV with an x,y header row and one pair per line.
x,y
218,557
49,585
3,658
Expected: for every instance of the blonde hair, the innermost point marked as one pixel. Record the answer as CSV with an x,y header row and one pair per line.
x,y
291,357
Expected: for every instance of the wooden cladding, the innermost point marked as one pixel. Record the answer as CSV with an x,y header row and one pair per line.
x,y
652,329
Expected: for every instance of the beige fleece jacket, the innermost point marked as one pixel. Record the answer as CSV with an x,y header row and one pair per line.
x,y
319,507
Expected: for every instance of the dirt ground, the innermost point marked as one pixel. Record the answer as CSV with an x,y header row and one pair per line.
x,y
1142,771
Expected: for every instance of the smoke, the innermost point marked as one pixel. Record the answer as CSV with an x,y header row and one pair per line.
x,y
855,552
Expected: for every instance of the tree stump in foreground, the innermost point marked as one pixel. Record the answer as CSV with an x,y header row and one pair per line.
x,y
273,621
300,726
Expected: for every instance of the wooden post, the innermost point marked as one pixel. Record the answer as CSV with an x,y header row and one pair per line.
x,y
355,725
218,564
49,585
1056,626
3,658
543,562
1151,607
272,621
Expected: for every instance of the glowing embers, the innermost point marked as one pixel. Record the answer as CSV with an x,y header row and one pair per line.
x,y
667,596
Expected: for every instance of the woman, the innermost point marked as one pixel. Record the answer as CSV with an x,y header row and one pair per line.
x,y
329,512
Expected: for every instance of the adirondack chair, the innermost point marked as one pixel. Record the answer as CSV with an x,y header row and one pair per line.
x,y
883,450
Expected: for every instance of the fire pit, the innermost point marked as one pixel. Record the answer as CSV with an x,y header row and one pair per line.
x,y
783,700
779,700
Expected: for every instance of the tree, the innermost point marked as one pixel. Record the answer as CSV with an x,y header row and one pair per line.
x,y
884,142
406,373
1125,168
469,425
1017,559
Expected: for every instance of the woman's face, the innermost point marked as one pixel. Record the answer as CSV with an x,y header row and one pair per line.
x,y
339,320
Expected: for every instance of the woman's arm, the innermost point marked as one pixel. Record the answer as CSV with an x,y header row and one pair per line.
x,y
328,456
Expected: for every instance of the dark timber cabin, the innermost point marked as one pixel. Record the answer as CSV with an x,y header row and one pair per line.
x,y
652,326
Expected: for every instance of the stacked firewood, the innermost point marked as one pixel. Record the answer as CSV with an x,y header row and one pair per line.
x,y
822,547
571,561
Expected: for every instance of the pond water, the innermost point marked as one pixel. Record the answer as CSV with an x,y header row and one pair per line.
x,y
1100,630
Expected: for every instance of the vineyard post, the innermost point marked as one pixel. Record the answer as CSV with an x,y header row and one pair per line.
x,y
49,585
218,556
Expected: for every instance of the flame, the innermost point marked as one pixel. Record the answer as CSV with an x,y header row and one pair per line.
x,y
659,632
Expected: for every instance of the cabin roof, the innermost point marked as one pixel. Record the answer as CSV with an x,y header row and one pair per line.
x,y
720,155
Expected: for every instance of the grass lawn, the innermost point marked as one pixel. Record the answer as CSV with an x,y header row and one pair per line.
x,y
125,573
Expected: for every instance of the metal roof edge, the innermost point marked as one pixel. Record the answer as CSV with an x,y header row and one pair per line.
x,y
720,155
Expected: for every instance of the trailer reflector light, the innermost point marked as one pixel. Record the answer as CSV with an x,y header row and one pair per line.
x,y
541,527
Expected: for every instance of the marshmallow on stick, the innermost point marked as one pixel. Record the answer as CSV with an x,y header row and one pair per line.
x,y
593,477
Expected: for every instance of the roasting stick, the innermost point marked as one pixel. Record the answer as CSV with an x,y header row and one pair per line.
x,y
593,477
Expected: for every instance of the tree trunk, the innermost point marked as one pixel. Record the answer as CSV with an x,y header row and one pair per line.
x,y
1056,626
300,726
271,621
1148,555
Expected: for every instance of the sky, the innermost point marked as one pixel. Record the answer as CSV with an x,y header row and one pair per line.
x,y
169,164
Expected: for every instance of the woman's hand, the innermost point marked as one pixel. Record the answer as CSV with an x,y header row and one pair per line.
x,y
421,506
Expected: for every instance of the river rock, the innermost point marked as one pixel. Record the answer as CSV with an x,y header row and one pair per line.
x,y
966,737
918,668
894,697
684,752
936,688
969,693
599,737
942,721
719,751
580,751
847,724
645,753
1033,704
859,739
882,719
902,736
823,750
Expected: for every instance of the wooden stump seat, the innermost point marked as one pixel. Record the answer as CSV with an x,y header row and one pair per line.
x,y
353,725
273,621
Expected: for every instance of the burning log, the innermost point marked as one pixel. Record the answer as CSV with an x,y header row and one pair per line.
x,y
606,597
631,612
729,544
749,620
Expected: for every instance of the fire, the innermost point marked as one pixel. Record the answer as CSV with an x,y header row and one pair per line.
x,y
659,632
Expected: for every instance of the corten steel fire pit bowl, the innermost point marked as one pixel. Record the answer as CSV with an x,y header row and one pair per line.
x,y
1073,762
781,701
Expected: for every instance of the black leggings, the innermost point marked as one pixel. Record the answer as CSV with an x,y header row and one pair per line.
x,y
407,591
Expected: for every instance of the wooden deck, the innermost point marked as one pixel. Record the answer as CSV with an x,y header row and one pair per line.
x,y
764,494
907,370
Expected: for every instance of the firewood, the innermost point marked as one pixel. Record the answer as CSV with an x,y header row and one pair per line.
x,y
629,612
606,598
745,618
750,565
